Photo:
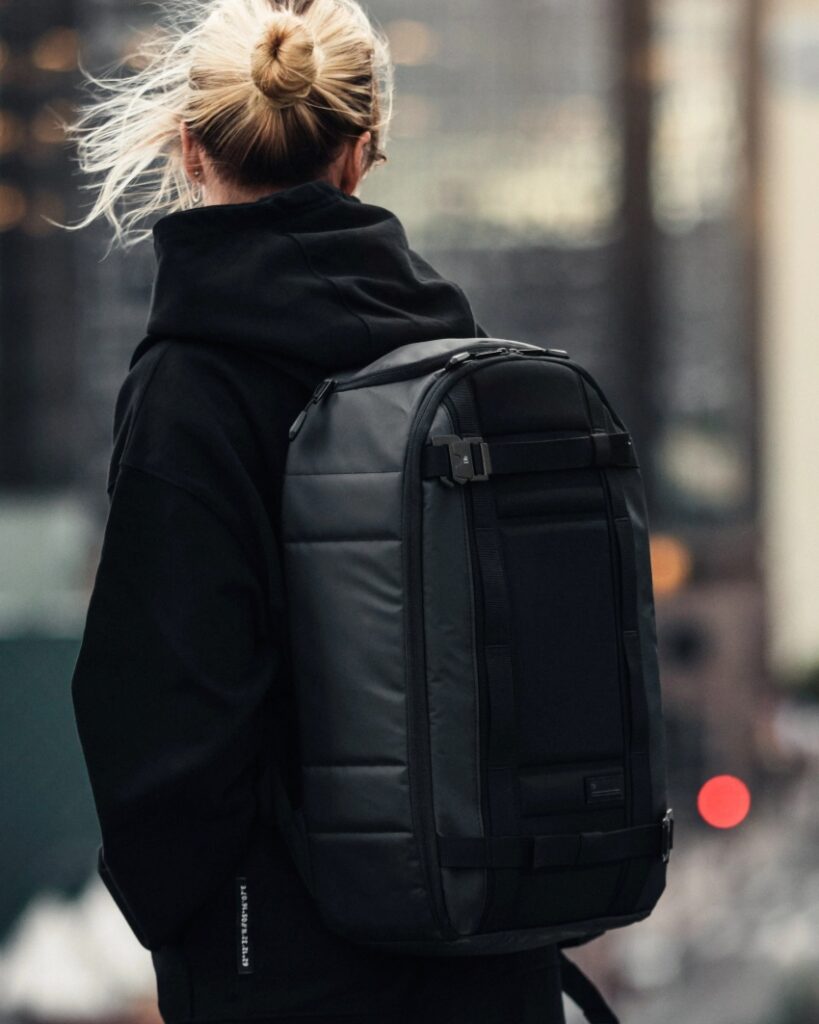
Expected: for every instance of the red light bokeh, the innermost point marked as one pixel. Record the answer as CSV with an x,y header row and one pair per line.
x,y
724,801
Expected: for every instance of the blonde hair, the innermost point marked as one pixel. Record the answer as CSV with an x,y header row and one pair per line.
x,y
269,88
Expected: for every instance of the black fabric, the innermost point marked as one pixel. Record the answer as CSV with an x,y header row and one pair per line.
x,y
181,675
447,992
551,851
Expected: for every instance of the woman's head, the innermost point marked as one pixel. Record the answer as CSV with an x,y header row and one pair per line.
x,y
254,95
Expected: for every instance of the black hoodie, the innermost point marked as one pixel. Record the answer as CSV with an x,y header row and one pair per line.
x,y
177,688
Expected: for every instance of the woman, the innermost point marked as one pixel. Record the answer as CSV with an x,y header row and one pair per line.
x,y
250,126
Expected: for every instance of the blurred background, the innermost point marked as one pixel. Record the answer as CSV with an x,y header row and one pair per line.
x,y
631,180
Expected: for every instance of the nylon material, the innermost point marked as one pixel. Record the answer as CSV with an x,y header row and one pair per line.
x,y
519,940
346,505
635,503
387,901
553,896
347,798
564,787
565,642
653,887
517,395
452,683
362,431
591,819
349,682
573,491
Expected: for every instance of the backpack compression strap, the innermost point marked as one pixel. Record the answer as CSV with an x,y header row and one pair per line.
x,y
552,851
582,991
471,458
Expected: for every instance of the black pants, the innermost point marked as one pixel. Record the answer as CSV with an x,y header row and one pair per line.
x,y
445,993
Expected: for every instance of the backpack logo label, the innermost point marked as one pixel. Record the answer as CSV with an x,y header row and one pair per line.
x,y
604,788
243,962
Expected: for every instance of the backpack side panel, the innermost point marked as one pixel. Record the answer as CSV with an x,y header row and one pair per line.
x,y
342,544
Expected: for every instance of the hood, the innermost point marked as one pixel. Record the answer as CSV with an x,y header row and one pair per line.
x,y
309,277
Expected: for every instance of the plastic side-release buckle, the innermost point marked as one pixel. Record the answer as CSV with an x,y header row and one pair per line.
x,y
668,835
462,459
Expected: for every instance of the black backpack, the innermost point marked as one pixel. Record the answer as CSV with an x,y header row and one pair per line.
x,y
473,656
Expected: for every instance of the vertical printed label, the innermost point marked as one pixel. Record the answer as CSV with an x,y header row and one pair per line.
x,y
243,962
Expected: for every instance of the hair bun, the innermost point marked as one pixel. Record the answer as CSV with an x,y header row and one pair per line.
x,y
284,64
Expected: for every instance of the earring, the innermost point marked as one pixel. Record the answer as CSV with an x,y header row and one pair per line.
x,y
197,191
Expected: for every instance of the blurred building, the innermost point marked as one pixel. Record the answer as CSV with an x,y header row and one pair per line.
x,y
40,278
790,367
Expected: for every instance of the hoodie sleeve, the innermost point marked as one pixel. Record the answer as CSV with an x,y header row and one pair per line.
x,y
172,682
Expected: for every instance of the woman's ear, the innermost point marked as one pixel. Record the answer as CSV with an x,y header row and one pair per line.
x,y
191,155
361,146
352,168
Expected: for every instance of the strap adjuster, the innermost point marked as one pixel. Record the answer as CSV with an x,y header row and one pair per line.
x,y
462,458
667,841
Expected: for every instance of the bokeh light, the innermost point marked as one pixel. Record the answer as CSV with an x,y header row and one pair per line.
x,y
411,42
56,50
13,206
724,801
670,563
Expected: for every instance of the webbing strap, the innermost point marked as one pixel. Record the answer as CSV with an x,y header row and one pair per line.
x,y
596,449
582,991
553,851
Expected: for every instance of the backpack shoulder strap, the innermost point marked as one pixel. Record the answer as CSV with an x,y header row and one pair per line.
x,y
582,991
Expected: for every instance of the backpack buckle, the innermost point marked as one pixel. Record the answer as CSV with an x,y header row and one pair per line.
x,y
668,835
462,458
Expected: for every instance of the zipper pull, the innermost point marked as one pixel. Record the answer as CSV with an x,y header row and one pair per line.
x,y
486,353
559,352
462,357
457,359
319,394
323,388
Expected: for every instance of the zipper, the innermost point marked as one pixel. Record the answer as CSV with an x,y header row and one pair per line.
x,y
442,360
483,694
